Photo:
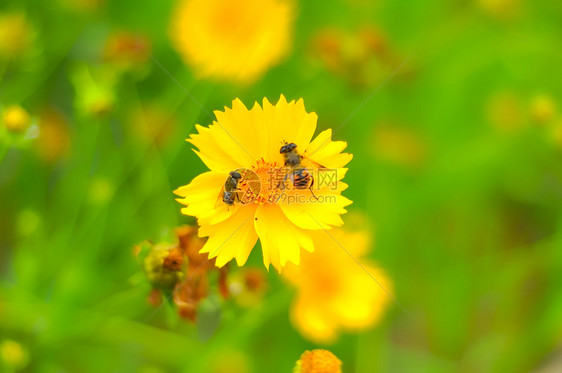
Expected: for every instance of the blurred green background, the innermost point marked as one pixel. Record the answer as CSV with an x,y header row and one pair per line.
x,y
450,110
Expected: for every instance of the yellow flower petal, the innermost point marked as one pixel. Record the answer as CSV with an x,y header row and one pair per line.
x,y
281,240
312,321
300,131
210,152
232,238
327,152
201,195
321,214
367,299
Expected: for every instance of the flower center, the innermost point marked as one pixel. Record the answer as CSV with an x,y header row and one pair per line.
x,y
262,183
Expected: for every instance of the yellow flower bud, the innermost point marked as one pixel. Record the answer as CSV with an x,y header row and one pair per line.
x,y
543,108
13,354
318,361
16,35
15,118
163,267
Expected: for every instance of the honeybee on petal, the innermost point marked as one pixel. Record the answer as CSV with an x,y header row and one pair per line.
x,y
228,192
299,175
241,186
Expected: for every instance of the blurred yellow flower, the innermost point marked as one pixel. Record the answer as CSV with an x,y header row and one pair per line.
x,y
318,361
13,354
281,217
163,266
543,108
502,9
555,133
231,361
127,50
504,111
16,35
153,123
399,145
54,140
248,286
232,40
100,190
333,292
15,118
27,222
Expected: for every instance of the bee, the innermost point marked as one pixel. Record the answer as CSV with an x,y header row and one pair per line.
x,y
299,175
230,188
231,191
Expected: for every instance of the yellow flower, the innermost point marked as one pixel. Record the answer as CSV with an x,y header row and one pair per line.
x,y
15,118
280,215
504,111
152,123
13,354
127,51
333,291
543,108
318,361
16,35
54,135
555,134
501,9
232,40
399,145
248,286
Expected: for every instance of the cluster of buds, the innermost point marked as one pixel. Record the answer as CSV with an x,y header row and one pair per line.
x,y
181,272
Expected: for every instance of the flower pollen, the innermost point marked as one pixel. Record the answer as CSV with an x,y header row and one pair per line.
x,y
269,175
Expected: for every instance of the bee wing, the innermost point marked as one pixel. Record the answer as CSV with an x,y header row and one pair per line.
x,y
314,164
220,203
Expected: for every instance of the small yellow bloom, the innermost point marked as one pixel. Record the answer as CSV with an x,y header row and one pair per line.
x,y
318,361
127,50
16,35
232,40
399,145
13,354
54,142
543,108
100,190
504,111
230,361
16,119
333,292
153,123
555,133
501,9
248,286
27,222
282,218
161,268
